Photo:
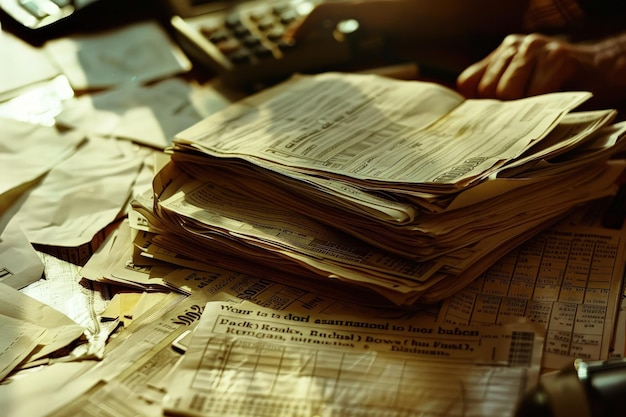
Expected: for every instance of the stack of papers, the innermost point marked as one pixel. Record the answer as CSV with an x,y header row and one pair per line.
x,y
402,189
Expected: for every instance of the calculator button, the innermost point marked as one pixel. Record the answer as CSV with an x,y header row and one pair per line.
x,y
40,8
251,41
259,13
241,56
266,23
284,45
217,36
240,31
232,20
208,28
262,51
229,46
275,34
281,8
288,17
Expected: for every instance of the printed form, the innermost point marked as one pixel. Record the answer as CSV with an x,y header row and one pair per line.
x,y
245,360
567,278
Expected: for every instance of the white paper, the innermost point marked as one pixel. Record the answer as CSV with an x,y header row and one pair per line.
x,y
22,65
20,265
27,152
60,329
133,54
30,389
150,115
64,290
81,196
17,341
40,104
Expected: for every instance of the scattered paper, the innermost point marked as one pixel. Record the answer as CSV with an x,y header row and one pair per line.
x,y
134,54
59,330
28,65
64,290
113,263
149,115
20,265
128,306
41,103
18,340
27,152
82,195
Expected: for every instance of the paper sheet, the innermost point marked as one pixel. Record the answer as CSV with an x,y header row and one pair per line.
x,y
403,134
19,263
113,263
60,330
150,115
18,340
567,278
41,103
28,65
128,306
142,357
82,195
28,152
80,300
247,361
30,389
133,54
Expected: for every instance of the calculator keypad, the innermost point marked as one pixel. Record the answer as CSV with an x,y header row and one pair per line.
x,y
246,45
252,35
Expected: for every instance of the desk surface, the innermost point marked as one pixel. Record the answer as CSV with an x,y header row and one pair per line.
x,y
87,301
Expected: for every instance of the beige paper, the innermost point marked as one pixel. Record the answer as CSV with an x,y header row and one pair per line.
x,y
243,358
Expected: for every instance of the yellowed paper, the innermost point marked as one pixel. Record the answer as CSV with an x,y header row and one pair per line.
x,y
243,358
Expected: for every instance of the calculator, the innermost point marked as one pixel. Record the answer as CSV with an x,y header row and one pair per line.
x,y
38,21
41,14
244,44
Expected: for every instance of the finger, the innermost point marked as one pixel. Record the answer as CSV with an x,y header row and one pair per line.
x,y
496,66
514,81
467,81
616,73
553,70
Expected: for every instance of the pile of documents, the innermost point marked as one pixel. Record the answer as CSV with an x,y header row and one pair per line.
x,y
401,191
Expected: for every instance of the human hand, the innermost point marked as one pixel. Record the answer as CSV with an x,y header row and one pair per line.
x,y
526,65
